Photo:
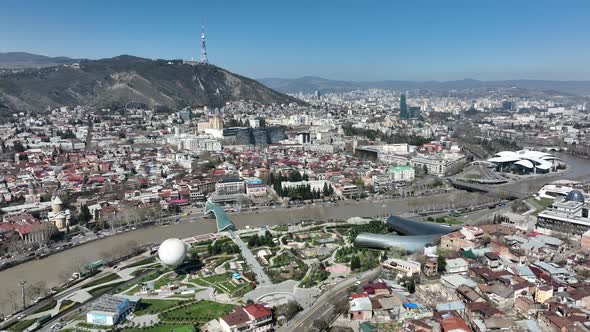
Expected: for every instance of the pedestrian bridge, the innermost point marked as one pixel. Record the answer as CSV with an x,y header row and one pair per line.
x,y
471,186
221,218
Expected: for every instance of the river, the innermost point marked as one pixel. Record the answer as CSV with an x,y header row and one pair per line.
x,y
56,267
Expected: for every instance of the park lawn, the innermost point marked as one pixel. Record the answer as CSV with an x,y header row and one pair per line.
x,y
473,176
541,204
105,288
230,285
201,282
102,280
280,228
65,304
165,280
221,282
242,290
92,326
155,306
218,277
163,328
21,325
201,311
133,290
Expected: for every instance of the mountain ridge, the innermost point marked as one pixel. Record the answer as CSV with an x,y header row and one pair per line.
x,y
309,84
19,60
114,82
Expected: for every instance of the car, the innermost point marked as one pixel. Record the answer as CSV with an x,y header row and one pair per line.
x,y
358,282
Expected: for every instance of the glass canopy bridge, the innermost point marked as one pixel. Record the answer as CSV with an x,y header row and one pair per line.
x,y
221,218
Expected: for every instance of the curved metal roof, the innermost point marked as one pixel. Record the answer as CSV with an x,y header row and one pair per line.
x,y
405,226
503,159
525,163
383,241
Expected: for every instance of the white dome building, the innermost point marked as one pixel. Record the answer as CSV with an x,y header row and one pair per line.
x,y
172,252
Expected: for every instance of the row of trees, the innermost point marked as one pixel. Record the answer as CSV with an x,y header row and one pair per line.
x,y
303,191
292,177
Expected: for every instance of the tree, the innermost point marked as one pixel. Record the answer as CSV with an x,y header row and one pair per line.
x,y
321,325
442,263
326,190
84,216
355,263
18,147
359,182
289,310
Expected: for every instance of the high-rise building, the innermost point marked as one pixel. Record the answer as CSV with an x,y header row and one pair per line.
x,y
403,107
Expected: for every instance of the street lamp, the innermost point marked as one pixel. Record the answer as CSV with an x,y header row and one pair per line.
x,y
22,286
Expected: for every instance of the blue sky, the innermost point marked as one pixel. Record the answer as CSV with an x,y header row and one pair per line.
x,y
345,39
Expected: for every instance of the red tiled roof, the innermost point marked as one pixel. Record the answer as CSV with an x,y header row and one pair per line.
x,y
237,317
454,324
22,223
357,295
257,310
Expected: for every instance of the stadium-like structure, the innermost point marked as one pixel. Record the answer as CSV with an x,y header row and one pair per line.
x,y
524,161
411,235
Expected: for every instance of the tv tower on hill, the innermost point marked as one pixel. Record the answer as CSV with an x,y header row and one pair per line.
x,y
203,47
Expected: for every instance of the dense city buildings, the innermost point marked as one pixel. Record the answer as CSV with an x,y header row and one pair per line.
x,y
501,249
161,195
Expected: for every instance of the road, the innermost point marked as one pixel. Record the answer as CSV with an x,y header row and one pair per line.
x,y
65,294
324,309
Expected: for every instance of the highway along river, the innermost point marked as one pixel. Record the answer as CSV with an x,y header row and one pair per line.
x,y
56,268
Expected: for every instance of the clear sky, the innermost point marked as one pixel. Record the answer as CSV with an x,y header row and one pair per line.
x,y
339,39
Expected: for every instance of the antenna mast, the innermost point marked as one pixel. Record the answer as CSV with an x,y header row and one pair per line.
x,y
203,47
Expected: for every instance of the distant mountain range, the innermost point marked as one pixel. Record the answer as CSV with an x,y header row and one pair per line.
x,y
14,60
114,82
309,84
